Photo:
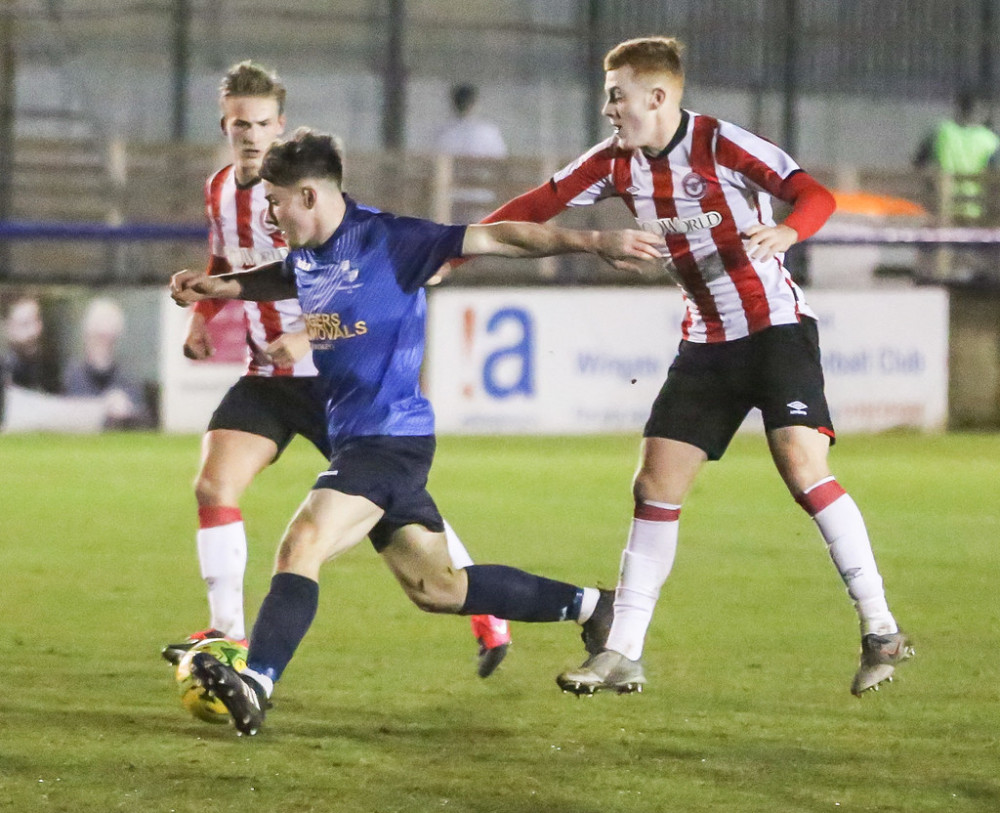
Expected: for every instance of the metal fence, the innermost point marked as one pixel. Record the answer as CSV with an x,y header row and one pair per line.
x,y
874,48
98,68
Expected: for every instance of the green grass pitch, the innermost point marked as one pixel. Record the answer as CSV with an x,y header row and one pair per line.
x,y
749,658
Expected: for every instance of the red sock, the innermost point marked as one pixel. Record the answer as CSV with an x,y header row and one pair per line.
x,y
212,516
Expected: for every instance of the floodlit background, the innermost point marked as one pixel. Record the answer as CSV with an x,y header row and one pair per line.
x,y
109,125
541,374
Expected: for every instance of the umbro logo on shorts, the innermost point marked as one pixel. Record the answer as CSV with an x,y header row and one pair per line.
x,y
797,408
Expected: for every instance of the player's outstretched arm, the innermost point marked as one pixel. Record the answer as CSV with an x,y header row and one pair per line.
x,y
265,283
513,239
188,287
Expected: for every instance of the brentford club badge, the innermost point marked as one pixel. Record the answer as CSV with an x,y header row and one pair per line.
x,y
694,185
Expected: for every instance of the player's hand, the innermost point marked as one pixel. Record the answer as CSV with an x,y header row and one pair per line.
x,y
187,287
764,242
198,341
288,348
441,275
630,244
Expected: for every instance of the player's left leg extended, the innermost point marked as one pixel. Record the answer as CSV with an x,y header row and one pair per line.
x,y
418,557
801,456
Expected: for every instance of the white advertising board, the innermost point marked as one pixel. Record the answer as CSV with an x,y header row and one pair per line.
x,y
885,357
548,360
592,360
574,361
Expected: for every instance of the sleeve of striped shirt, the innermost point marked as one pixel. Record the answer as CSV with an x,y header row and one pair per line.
x,y
812,203
534,206
209,308
767,167
580,183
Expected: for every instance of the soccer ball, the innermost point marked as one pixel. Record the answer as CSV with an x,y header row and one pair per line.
x,y
193,696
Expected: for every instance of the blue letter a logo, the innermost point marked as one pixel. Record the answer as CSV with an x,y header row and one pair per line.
x,y
509,370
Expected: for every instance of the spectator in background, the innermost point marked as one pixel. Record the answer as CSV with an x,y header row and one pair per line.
x,y
961,146
467,134
25,361
473,192
98,372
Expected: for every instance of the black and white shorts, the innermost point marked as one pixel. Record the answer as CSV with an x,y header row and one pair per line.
x,y
391,472
710,388
278,408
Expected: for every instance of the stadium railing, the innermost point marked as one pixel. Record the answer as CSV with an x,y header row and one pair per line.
x,y
134,213
139,236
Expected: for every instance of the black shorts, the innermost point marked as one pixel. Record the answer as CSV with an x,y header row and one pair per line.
x,y
392,473
278,408
710,388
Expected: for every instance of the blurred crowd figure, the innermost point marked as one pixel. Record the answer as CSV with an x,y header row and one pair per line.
x,y
92,394
961,146
468,135
98,373
26,362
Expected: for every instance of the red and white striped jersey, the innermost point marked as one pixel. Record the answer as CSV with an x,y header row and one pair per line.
x,y
713,181
240,238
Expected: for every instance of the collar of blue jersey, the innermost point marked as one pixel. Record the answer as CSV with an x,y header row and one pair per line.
x,y
350,207
678,136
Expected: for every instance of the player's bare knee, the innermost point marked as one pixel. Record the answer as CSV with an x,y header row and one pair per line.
x,y
800,467
648,486
300,545
213,490
207,491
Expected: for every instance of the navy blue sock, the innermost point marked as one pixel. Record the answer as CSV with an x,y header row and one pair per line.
x,y
507,592
285,615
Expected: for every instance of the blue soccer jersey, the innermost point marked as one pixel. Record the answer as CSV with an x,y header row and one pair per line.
x,y
365,311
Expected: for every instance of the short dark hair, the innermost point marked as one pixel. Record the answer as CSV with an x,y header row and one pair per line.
x,y
250,79
965,103
307,154
463,97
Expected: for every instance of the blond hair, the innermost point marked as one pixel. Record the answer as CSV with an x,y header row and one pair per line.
x,y
647,55
250,79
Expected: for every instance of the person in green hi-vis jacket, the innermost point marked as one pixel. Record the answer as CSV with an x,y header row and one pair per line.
x,y
961,146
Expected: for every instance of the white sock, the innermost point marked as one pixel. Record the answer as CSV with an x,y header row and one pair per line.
x,y
843,528
222,553
456,550
265,682
646,563
588,604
